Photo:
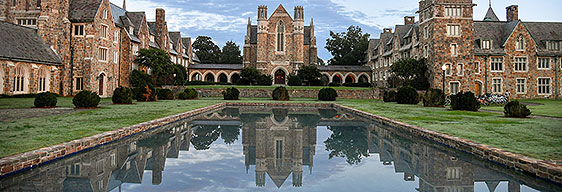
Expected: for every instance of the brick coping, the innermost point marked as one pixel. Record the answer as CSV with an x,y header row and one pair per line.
x,y
28,160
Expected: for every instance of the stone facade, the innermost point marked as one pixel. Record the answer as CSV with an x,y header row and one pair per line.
x,y
447,35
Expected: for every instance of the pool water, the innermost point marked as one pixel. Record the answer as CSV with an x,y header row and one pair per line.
x,y
280,149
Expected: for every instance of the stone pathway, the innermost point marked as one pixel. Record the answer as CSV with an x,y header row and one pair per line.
x,y
531,116
26,113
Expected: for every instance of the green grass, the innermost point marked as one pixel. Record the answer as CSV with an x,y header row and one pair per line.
x,y
273,87
538,138
550,108
18,103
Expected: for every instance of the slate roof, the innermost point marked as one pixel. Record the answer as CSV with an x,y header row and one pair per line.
x,y
136,19
493,31
402,30
196,58
152,28
24,44
345,68
544,31
384,38
186,42
491,16
83,10
254,34
175,37
117,13
216,66
307,35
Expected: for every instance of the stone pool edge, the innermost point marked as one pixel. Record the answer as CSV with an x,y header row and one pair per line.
x,y
539,168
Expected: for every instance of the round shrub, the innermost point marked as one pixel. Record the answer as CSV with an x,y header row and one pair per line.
x,y
280,94
86,99
145,93
327,94
165,94
191,93
433,98
464,101
122,95
294,80
407,95
46,99
182,95
231,94
516,109
389,96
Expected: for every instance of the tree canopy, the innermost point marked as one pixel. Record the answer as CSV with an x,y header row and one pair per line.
x,y
161,67
231,54
309,73
348,48
207,51
410,72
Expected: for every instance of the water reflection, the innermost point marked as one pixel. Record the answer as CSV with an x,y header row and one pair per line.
x,y
277,145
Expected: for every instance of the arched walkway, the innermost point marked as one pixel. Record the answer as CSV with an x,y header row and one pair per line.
x,y
234,77
210,77
363,78
350,78
196,76
223,78
337,79
280,77
325,79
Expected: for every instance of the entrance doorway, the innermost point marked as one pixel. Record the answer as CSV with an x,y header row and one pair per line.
x,y
280,77
478,88
101,84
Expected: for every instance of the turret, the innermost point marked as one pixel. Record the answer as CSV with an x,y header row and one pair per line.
x,y
299,19
262,19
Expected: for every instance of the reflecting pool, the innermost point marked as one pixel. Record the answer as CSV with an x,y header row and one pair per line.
x,y
280,149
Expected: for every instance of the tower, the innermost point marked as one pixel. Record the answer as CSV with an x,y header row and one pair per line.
x,y
262,38
447,39
298,36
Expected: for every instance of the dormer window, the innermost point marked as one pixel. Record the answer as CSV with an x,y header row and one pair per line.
x,y
151,38
520,43
131,30
553,45
104,14
486,44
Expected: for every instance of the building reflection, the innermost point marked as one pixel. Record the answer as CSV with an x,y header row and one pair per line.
x,y
279,144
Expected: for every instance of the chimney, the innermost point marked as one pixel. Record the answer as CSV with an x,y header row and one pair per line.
x,y
124,5
512,13
161,28
408,20
387,30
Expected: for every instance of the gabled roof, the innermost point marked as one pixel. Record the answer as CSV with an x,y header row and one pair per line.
x,y
117,13
544,31
83,10
254,34
280,9
373,43
385,38
136,19
186,41
152,27
307,35
491,16
24,44
175,37
196,58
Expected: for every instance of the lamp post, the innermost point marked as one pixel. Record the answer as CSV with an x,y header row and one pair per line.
x,y
174,79
444,68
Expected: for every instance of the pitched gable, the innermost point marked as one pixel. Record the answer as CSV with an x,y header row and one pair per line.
x,y
83,10
280,12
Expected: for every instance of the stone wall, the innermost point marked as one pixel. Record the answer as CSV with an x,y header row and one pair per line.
x,y
264,93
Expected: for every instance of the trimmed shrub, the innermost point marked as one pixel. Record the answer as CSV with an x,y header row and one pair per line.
x,y
389,96
281,94
86,99
516,109
122,95
139,78
231,94
165,94
433,98
407,95
327,94
182,95
294,80
464,101
191,93
46,99
145,93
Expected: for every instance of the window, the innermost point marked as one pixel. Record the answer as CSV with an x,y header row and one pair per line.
x,y
79,84
115,57
496,64
460,68
448,70
553,45
103,31
131,30
477,67
520,64
453,30
544,86
135,49
544,63
27,22
486,44
497,85
454,87
113,159
104,14
74,169
426,32
20,79
42,80
280,37
453,12
520,86
425,51
116,36
454,49
78,30
453,173
102,54
520,43
279,149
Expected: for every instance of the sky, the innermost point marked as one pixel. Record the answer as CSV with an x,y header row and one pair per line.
x,y
226,20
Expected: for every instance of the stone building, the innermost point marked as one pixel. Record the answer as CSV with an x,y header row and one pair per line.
x,y
487,56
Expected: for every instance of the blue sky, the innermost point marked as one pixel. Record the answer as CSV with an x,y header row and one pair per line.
x,y
225,20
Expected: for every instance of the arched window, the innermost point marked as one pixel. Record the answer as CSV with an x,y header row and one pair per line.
x,y
210,77
43,80
223,78
20,80
234,78
196,77
281,37
520,43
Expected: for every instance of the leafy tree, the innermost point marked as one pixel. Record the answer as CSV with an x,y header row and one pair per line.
x,y
309,73
348,142
320,61
348,48
231,54
250,75
204,136
229,133
207,51
158,61
411,72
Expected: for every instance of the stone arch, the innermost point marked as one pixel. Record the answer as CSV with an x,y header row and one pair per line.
x,y
222,77
43,79
278,69
1,80
21,79
209,76
327,76
234,77
195,76
350,78
337,78
102,81
363,78
478,87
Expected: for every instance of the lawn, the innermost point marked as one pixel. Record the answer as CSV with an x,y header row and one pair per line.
x,y
539,138
273,87
545,107
16,103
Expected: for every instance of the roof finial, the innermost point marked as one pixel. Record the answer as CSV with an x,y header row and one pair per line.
x,y
124,5
490,3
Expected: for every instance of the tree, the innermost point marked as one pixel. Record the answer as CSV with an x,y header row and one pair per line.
x,y
320,61
231,54
348,48
309,73
349,142
159,63
411,72
206,50
250,75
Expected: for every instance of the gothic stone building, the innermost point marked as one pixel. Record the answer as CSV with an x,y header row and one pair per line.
x,y
487,56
